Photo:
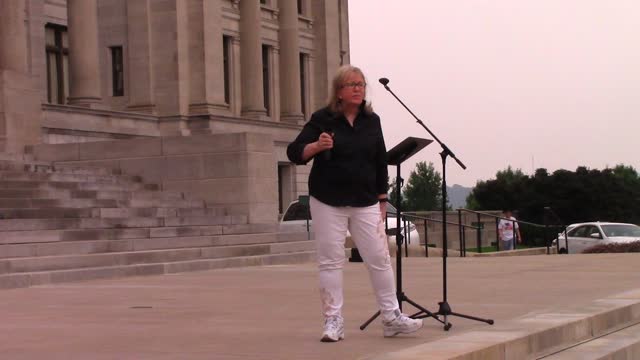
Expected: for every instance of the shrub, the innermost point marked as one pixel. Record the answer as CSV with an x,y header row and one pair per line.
x,y
631,247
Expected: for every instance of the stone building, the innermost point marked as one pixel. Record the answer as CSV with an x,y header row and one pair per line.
x,y
79,71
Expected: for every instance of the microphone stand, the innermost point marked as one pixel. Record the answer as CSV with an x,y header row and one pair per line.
x,y
444,307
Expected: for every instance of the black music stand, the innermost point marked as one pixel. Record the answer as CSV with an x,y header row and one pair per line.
x,y
395,157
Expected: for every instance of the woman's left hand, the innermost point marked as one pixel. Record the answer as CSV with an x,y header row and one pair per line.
x,y
383,209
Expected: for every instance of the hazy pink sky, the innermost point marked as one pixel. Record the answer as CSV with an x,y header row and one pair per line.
x,y
532,83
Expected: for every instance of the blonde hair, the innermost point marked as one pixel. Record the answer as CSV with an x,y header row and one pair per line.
x,y
334,103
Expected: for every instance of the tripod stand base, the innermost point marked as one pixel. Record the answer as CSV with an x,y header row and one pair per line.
x,y
445,311
402,298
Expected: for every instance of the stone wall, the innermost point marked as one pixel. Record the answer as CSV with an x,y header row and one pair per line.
x,y
236,171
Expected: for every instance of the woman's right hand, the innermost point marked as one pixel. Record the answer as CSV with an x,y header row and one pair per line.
x,y
325,142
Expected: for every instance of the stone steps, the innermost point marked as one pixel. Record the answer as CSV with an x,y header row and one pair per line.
x,y
32,166
19,280
70,177
107,212
538,335
98,245
620,345
43,203
56,235
117,222
60,223
89,194
145,254
75,185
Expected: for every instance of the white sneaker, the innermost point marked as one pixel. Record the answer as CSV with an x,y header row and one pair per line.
x,y
333,329
400,325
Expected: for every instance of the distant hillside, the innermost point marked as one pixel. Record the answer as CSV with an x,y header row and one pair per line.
x,y
458,195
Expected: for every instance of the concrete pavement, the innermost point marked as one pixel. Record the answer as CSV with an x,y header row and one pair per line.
x,y
273,312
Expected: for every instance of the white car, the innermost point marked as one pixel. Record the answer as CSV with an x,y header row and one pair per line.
x,y
296,214
585,235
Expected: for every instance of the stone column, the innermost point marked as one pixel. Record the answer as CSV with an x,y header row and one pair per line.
x,y
327,39
20,107
343,9
289,62
274,60
251,59
311,105
13,36
170,59
213,54
84,67
206,93
140,71
236,77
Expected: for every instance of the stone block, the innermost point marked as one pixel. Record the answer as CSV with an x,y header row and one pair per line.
x,y
151,169
262,165
18,250
173,231
235,251
618,316
113,164
63,262
196,265
161,256
289,247
263,213
258,213
214,191
84,274
21,237
199,144
20,111
198,220
38,224
259,142
244,239
294,258
5,267
120,245
121,149
13,281
225,165
262,190
149,269
57,152
211,230
171,243
200,212
249,228
184,167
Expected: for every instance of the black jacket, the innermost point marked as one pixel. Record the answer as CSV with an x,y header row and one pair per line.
x,y
355,173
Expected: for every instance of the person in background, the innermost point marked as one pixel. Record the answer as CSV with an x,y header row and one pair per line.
x,y
507,229
348,191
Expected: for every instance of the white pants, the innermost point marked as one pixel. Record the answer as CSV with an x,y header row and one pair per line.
x,y
330,226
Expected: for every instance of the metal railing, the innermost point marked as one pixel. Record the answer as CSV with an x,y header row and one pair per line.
x,y
478,227
409,216
544,227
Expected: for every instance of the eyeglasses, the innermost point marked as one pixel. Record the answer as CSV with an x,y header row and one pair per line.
x,y
355,84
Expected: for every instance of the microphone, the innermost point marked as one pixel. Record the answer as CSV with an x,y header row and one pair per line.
x,y
327,153
383,81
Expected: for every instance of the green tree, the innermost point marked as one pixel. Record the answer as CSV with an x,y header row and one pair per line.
x,y
393,198
576,196
423,189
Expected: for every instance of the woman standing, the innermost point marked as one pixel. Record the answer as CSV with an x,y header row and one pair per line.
x,y
348,188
